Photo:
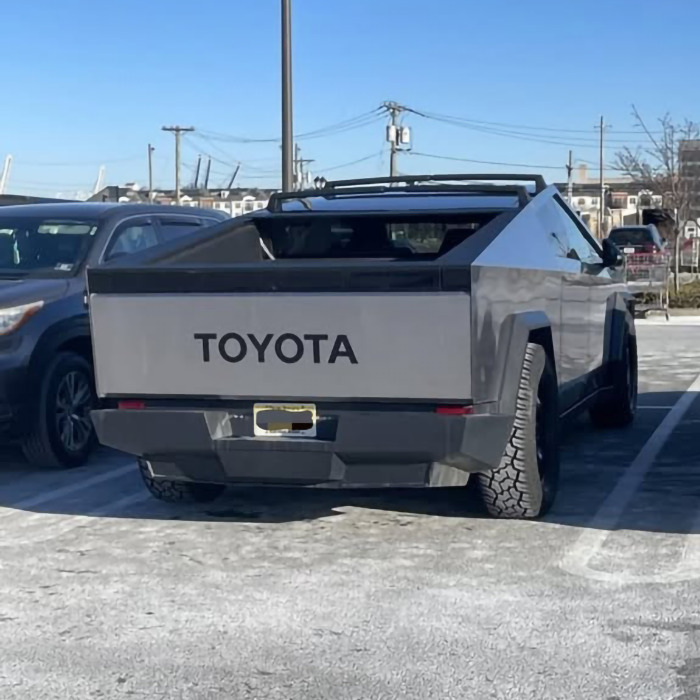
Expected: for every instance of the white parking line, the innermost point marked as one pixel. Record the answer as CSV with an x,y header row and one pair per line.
x,y
71,488
577,559
53,525
655,408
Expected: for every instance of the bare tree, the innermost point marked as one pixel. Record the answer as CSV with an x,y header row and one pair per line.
x,y
658,167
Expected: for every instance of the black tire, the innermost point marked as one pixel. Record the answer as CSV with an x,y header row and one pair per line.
x,y
525,483
61,433
617,408
178,491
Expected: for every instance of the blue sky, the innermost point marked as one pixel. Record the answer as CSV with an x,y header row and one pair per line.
x,y
89,83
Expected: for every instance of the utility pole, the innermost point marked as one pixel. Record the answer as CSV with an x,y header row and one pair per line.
x,y
178,131
602,180
287,117
299,163
150,172
570,179
395,134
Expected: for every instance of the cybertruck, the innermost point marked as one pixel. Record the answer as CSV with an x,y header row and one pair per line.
x,y
410,331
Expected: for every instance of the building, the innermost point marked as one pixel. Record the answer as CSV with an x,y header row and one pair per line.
x,y
625,201
234,202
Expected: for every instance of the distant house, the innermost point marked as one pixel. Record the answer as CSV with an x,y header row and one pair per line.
x,y
234,201
625,201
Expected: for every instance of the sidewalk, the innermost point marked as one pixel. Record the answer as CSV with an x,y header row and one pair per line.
x,y
679,317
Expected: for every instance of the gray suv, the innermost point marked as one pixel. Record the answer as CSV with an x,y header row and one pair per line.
x,y
417,331
46,376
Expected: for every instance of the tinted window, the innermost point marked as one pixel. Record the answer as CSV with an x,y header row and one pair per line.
x,y
368,236
131,238
172,230
572,232
631,236
51,246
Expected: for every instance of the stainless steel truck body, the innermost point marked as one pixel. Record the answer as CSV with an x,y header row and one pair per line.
x,y
403,332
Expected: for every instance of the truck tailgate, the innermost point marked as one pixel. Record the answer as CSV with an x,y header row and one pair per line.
x,y
283,345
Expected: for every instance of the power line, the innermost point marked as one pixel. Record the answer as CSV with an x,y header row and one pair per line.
x,y
486,162
351,124
519,126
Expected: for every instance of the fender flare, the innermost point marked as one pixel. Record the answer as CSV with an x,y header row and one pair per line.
x,y
516,331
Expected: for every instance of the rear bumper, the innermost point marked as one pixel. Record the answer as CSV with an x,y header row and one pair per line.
x,y
368,448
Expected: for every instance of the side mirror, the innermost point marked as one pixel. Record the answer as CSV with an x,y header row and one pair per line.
x,y
612,257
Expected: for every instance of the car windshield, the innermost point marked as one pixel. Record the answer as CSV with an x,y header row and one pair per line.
x,y
631,236
38,246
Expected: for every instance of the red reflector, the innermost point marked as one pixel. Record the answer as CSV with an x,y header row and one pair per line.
x,y
126,405
454,410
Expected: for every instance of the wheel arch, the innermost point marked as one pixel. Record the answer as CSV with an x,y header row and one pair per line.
x,y
517,331
71,335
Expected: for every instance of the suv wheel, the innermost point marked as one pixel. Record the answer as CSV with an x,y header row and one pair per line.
x,y
525,482
62,434
618,407
178,491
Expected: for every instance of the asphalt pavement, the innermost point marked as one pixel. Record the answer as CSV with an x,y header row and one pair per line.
x,y
310,595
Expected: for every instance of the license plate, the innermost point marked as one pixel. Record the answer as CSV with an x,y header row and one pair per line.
x,y
628,250
284,419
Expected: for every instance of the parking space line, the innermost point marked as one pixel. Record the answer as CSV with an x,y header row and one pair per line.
x,y
58,525
67,490
655,408
577,559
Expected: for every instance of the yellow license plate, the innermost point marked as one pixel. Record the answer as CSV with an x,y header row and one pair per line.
x,y
284,419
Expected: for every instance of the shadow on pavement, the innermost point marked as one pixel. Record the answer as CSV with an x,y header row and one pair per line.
x,y
593,463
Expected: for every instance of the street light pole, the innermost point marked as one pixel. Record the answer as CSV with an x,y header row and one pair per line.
x,y
287,127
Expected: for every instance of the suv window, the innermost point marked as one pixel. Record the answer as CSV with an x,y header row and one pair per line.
x,y
131,238
580,242
172,229
636,236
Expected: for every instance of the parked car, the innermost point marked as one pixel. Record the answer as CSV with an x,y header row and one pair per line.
x,y
302,346
46,377
638,240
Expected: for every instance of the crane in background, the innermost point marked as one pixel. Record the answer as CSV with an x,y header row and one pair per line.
x,y
4,178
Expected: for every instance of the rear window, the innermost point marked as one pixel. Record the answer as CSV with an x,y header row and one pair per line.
x,y
367,236
631,236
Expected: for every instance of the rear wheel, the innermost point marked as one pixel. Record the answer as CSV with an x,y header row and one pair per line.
x,y
61,433
618,407
178,491
525,483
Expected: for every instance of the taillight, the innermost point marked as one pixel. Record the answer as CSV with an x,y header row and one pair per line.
x,y
454,410
130,405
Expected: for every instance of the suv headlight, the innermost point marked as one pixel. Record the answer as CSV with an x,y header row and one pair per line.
x,y
11,319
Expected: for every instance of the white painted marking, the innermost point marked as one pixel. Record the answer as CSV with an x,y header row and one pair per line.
x,y
673,321
58,525
63,491
576,560
655,408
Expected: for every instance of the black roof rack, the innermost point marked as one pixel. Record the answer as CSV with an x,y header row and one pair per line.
x,y
435,184
539,181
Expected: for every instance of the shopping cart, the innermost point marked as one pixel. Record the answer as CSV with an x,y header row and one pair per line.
x,y
648,278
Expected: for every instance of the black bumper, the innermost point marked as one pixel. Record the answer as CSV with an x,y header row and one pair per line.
x,y
353,447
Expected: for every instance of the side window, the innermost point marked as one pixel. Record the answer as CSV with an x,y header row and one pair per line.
x,y
171,230
131,238
582,246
